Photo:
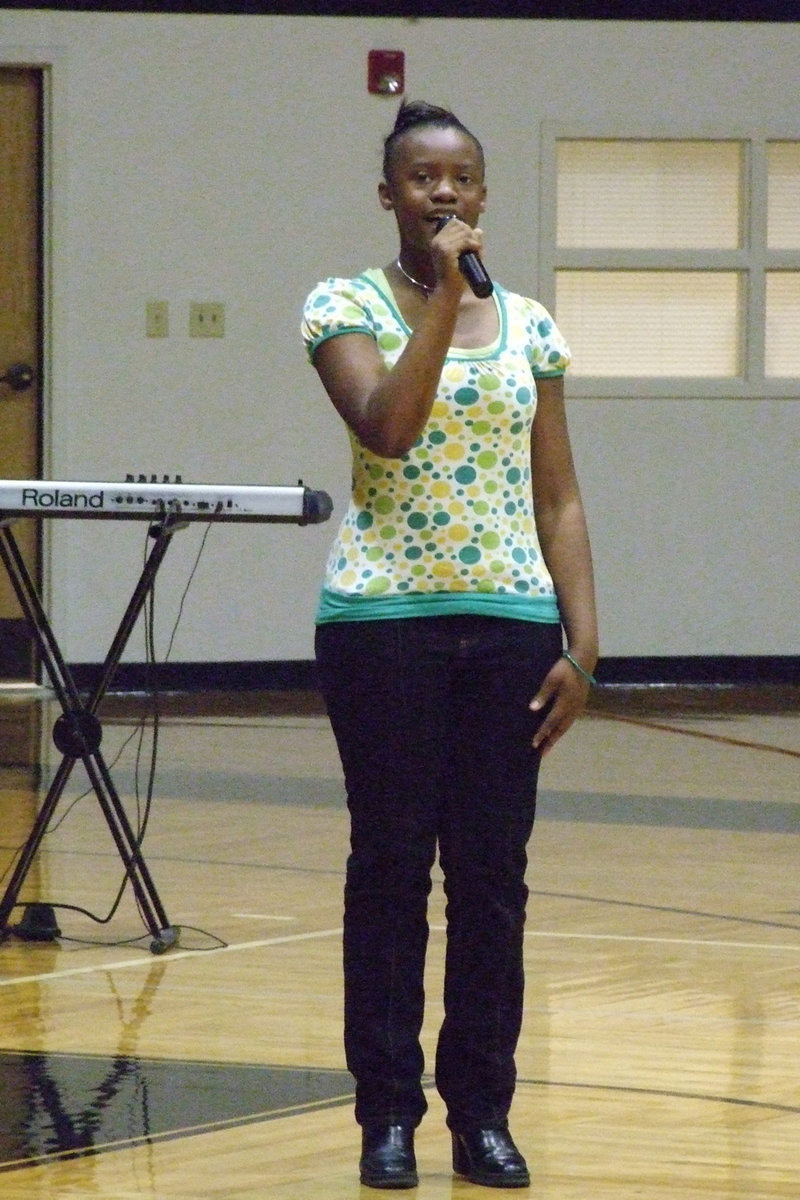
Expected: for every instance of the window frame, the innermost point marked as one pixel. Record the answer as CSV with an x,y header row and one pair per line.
x,y
752,260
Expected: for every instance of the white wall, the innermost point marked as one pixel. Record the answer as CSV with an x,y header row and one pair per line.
x,y
236,159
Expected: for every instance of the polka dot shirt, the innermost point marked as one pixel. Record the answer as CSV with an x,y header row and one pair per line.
x,y
449,526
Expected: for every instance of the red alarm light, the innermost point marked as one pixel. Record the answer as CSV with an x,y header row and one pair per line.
x,y
386,72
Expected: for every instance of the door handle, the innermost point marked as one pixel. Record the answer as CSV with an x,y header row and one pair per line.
x,y
18,377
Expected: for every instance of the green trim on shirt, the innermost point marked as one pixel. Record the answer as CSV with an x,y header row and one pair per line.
x,y
326,337
334,606
376,276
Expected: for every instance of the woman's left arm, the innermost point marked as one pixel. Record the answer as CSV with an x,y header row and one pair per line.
x,y
563,536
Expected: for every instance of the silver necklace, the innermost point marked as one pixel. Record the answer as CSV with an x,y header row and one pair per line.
x,y
423,286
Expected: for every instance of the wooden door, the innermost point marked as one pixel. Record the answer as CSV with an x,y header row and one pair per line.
x,y
20,333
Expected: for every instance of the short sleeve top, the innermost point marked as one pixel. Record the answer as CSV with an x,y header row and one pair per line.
x,y
448,526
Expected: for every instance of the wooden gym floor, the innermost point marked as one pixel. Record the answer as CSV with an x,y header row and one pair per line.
x,y
660,1056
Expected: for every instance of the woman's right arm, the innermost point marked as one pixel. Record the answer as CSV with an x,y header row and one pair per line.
x,y
387,409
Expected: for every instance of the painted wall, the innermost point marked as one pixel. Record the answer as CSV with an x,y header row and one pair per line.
x,y
236,159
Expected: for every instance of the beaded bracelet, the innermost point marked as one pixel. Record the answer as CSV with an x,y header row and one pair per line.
x,y
590,678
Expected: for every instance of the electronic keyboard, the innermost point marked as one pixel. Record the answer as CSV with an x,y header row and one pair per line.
x,y
77,733
147,499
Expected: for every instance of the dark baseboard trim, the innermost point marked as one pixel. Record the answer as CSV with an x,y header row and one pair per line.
x,y
282,675
723,670
300,674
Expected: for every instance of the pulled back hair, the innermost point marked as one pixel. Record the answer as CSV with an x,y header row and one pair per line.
x,y
416,114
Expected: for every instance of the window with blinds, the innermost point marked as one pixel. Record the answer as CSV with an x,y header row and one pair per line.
x,y
673,260
783,235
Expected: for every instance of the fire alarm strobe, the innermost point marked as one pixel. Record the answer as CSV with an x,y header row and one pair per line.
x,y
386,72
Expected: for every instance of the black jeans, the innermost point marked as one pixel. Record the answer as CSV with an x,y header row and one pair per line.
x,y
434,731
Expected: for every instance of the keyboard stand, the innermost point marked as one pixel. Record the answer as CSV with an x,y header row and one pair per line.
x,y
77,733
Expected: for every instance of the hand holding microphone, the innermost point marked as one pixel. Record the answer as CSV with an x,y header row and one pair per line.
x,y
471,266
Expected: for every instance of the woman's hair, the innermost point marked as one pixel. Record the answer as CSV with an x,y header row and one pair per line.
x,y
415,114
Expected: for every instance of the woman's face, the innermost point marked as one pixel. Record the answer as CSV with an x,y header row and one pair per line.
x,y
435,172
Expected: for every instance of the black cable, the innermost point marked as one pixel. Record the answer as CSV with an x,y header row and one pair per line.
x,y
219,943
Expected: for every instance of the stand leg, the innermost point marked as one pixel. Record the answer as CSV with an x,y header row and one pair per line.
x,y
77,734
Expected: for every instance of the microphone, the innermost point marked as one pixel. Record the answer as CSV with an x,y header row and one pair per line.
x,y
471,266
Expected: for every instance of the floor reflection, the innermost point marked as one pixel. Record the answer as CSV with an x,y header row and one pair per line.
x,y
71,1105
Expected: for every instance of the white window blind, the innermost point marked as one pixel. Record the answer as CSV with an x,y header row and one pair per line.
x,y
654,194
783,323
783,195
656,323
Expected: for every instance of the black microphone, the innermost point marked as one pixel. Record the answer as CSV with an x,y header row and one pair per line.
x,y
471,266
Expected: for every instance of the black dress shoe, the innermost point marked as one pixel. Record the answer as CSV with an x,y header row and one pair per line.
x,y
387,1156
489,1157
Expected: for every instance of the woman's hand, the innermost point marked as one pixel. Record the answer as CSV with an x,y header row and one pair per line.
x,y
562,697
450,242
